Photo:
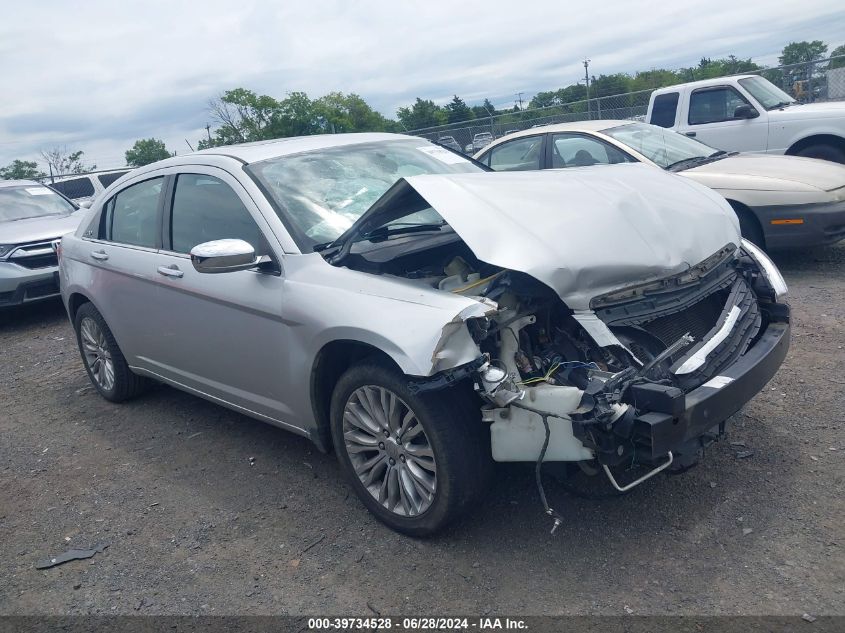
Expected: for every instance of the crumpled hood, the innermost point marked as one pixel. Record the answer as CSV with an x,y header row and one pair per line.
x,y
39,229
582,232
761,172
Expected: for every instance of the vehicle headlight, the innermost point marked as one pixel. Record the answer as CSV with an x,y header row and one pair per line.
x,y
5,249
767,267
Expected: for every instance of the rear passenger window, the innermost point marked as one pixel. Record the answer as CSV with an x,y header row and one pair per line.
x,y
204,209
664,109
75,188
132,214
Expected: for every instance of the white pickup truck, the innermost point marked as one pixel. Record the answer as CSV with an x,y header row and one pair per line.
x,y
747,113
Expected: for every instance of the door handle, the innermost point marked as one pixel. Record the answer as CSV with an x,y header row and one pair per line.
x,y
100,255
170,271
690,133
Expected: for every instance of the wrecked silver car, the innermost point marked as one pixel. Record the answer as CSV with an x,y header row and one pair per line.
x,y
385,297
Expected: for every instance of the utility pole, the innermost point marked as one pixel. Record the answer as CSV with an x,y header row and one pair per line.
x,y
587,81
518,95
208,131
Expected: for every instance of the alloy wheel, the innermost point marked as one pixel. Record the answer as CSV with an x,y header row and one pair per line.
x,y
97,356
389,450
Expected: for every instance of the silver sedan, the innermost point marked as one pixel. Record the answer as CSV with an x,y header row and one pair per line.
x,y
388,298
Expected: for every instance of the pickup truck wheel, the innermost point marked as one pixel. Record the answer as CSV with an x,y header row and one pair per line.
x,y
103,360
416,461
824,152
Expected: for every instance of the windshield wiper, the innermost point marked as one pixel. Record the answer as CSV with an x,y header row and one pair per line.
x,y
695,161
782,104
383,232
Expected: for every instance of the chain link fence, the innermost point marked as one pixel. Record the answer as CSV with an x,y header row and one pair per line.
x,y
807,82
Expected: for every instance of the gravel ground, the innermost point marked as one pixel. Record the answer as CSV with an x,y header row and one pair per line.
x,y
205,511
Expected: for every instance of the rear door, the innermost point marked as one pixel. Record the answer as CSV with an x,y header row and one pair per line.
x,y
710,119
520,154
122,254
220,334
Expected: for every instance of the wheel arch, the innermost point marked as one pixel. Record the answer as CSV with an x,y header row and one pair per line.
x,y
743,210
816,139
74,302
333,359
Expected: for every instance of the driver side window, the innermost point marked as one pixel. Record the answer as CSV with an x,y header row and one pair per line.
x,y
576,150
714,104
521,154
204,209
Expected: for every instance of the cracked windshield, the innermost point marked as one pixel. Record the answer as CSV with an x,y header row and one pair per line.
x,y
325,191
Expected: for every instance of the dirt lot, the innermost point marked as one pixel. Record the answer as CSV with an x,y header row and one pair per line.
x,y
208,512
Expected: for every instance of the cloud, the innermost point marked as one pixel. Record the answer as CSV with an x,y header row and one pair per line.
x,y
98,75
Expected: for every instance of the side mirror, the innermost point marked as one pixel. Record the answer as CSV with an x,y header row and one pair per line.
x,y
223,256
86,204
745,111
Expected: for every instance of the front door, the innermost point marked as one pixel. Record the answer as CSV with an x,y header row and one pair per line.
x,y
710,119
221,334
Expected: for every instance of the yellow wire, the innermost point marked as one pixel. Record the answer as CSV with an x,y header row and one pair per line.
x,y
477,283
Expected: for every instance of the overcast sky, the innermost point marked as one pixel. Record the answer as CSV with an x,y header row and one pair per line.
x,y
97,75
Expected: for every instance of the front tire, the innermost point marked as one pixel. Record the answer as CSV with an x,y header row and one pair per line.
x,y
416,461
823,151
103,360
749,226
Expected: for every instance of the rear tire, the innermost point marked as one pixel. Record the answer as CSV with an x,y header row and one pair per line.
x,y
104,362
416,461
823,151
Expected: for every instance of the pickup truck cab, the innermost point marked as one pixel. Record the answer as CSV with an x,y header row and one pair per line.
x,y
747,113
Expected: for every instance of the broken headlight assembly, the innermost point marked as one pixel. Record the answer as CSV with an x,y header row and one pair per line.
x,y
767,268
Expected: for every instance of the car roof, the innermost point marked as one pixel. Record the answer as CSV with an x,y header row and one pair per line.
x,y
257,151
262,150
575,126
702,83
19,183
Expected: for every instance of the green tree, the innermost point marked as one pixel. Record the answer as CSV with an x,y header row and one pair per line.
x,y
610,85
543,99
296,116
242,116
21,170
424,113
63,162
839,51
486,109
146,151
709,68
337,113
802,52
457,110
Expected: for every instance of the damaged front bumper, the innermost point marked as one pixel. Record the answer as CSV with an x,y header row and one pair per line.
x,y
667,419
627,421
